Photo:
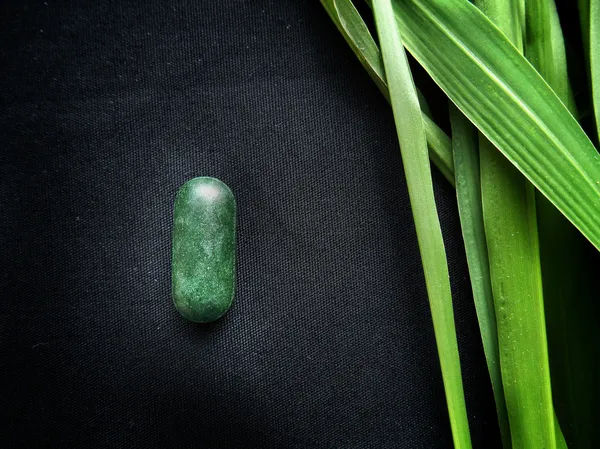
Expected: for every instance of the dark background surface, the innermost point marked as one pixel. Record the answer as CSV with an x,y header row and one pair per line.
x,y
107,107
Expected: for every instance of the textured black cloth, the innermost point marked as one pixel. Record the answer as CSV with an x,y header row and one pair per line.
x,y
107,108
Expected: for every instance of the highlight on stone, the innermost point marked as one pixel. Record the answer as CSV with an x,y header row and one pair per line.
x,y
204,245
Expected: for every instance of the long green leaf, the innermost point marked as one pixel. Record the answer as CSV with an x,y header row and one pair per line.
x,y
511,233
545,48
468,194
565,270
357,34
595,58
585,104
440,148
354,30
584,21
569,295
413,145
505,97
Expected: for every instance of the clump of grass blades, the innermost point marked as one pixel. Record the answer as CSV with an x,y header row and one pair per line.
x,y
533,167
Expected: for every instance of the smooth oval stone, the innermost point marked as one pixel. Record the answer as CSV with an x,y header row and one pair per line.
x,y
203,249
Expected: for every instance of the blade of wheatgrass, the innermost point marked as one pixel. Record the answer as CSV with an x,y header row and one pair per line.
x,y
584,21
513,248
521,15
595,59
568,284
413,146
468,193
440,148
509,216
585,104
505,97
566,273
545,48
356,33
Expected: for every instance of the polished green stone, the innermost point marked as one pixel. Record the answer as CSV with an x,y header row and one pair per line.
x,y
203,249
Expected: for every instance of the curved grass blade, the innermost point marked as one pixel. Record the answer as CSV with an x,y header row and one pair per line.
x,y
354,30
509,215
565,268
413,145
468,193
505,97
595,59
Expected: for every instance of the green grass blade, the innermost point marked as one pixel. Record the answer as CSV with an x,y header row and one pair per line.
x,y
508,16
521,15
440,148
545,48
468,192
569,283
413,145
509,215
584,20
565,269
595,59
584,10
585,102
505,97
356,33
511,234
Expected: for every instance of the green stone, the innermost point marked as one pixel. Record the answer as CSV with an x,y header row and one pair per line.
x,y
203,249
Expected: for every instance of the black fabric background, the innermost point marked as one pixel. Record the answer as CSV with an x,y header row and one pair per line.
x,y
107,108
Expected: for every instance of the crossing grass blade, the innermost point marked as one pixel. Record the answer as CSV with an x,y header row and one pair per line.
x,y
356,33
566,272
504,96
413,146
509,216
468,193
